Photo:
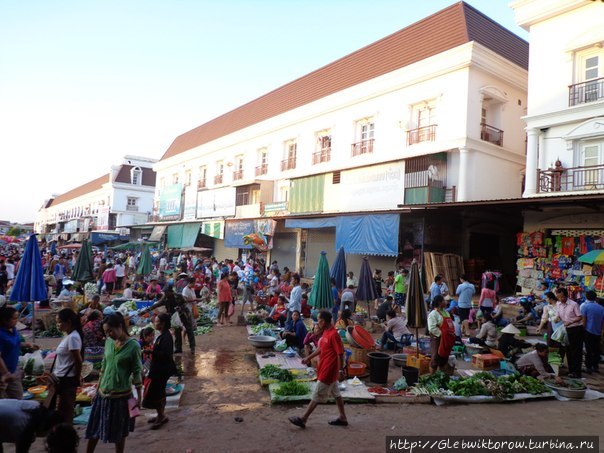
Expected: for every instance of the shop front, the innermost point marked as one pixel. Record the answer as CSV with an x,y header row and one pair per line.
x,y
555,250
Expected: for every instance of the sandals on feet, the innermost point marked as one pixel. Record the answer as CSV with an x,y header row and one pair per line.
x,y
152,420
159,424
337,422
297,421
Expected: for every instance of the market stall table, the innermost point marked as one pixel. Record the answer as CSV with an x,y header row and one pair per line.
x,y
350,394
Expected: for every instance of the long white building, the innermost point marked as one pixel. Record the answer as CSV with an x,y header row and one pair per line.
x,y
429,114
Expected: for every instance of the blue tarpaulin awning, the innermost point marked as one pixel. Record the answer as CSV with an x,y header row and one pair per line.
x,y
375,234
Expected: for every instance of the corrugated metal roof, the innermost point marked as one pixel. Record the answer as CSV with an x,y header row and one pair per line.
x,y
451,27
90,186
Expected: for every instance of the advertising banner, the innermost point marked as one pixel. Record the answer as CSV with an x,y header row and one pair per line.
x,y
169,202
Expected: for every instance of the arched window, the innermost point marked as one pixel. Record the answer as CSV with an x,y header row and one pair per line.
x,y
136,176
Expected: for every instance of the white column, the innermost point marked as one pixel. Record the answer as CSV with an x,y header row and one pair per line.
x,y
541,151
462,180
530,180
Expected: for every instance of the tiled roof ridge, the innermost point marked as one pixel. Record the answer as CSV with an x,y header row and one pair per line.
x,y
459,23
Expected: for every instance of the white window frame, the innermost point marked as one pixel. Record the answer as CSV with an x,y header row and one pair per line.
x,y
175,178
136,176
188,177
131,201
290,150
262,156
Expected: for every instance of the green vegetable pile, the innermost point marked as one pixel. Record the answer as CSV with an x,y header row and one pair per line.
x,y
204,320
293,388
554,358
260,328
130,305
503,387
275,372
200,330
52,332
480,384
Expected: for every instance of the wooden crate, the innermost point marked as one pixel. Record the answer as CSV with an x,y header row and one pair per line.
x,y
485,361
421,362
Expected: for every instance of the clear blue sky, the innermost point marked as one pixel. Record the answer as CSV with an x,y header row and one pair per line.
x,y
83,83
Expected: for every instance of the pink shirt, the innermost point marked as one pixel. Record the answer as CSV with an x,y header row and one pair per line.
x,y
109,276
568,312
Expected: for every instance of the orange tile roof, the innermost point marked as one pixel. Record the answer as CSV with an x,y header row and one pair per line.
x,y
90,186
451,27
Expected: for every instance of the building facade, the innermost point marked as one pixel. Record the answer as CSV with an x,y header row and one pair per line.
x,y
117,200
331,158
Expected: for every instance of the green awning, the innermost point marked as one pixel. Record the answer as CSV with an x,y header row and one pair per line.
x,y
183,235
306,194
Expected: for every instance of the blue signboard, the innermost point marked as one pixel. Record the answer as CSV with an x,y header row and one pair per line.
x,y
234,232
170,201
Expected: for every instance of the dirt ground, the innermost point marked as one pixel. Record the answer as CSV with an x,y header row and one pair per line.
x,y
222,383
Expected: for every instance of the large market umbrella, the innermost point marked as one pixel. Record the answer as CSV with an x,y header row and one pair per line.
x,y
338,270
145,265
366,290
320,295
30,285
82,271
415,304
593,257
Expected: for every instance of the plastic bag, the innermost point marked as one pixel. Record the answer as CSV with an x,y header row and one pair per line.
x,y
560,335
175,320
38,363
280,346
231,310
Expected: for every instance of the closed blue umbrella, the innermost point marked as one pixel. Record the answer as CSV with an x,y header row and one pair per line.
x,y
366,289
30,285
105,251
320,295
338,270
53,248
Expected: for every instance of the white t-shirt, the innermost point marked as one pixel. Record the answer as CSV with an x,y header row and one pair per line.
x,y
10,270
120,270
72,342
189,295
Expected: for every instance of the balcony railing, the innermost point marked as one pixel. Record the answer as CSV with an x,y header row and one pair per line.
x,y
421,134
288,164
201,184
362,147
218,179
132,208
491,134
261,170
584,92
237,175
561,179
321,156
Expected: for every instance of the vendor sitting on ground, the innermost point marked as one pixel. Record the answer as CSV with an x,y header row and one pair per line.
x,y
94,305
139,287
153,290
311,341
295,331
345,320
487,336
384,308
279,313
394,329
508,344
535,364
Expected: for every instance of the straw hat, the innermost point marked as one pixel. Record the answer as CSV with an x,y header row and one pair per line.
x,y
510,328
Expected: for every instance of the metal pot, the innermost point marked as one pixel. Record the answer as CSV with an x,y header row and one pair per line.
x,y
262,341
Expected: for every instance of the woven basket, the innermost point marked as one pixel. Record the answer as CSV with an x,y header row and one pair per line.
x,y
360,355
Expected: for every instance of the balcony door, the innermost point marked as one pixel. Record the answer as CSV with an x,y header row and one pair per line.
x,y
592,159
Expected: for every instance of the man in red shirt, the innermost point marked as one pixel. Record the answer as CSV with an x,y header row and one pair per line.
x,y
331,361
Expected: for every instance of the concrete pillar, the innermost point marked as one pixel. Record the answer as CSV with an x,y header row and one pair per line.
x,y
541,151
532,145
462,180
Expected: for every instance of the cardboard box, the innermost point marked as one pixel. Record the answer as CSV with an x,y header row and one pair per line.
x,y
485,362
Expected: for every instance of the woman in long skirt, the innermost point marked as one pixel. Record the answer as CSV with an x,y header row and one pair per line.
x,y
110,416
161,368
